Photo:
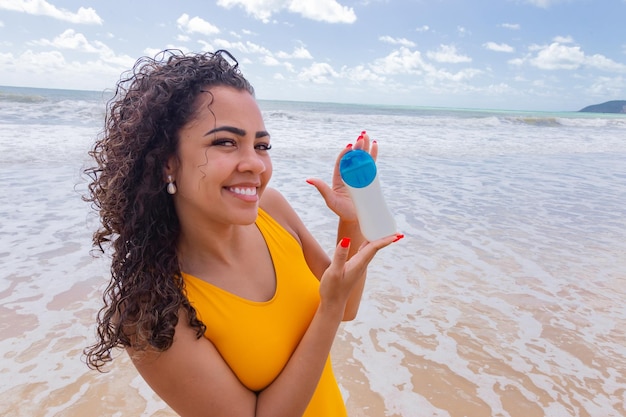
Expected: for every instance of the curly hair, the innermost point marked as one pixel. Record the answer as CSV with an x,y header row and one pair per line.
x,y
138,222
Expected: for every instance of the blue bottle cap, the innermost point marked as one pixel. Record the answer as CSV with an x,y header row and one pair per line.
x,y
357,168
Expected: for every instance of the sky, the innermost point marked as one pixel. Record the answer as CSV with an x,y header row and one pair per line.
x,y
536,55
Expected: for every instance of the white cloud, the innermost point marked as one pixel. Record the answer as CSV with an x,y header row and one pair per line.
x,y
76,42
544,4
321,10
448,54
324,73
462,31
55,71
43,8
360,74
402,61
196,25
206,46
158,52
558,56
299,52
261,10
512,26
397,41
270,61
318,73
499,89
1,24
563,39
423,28
603,63
266,58
244,47
33,64
457,77
607,87
499,47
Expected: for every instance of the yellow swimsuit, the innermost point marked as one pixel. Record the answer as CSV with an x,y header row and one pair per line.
x,y
257,339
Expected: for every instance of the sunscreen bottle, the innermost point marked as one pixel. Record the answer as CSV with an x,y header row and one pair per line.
x,y
359,174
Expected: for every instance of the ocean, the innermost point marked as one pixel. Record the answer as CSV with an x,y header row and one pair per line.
x,y
506,298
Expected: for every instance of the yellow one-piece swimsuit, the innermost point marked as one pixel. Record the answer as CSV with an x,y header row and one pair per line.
x,y
257,339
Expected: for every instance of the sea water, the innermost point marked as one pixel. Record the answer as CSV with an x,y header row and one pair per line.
x,y
507,296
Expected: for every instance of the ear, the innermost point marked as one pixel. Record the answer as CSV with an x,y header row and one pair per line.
x,y
171,166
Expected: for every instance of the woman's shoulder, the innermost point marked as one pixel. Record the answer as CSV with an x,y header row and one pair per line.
x,y
277,206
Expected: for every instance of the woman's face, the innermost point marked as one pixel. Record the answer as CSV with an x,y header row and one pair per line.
x,y
222,164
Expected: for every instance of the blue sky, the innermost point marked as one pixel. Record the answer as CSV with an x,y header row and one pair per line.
x,y
494,54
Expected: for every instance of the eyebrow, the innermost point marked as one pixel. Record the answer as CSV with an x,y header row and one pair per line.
x,y
237,131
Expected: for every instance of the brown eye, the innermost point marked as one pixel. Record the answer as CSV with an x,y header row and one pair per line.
x,y
224,142
263,146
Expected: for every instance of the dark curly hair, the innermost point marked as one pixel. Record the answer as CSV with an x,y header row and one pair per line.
x,y
139,225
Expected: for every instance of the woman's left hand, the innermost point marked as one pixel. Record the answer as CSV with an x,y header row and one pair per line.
x,y
337,197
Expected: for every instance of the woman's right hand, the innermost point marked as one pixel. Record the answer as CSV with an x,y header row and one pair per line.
x,y
343,274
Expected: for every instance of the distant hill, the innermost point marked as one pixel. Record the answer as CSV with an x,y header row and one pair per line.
x,y
615,106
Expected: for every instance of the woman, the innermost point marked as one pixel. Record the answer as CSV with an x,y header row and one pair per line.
x,y
223,299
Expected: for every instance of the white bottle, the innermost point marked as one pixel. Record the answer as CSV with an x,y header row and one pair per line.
x,y
359,174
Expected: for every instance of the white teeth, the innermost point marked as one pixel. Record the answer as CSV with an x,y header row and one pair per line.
x,y
243,191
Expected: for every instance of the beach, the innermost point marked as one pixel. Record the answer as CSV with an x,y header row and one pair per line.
x,y
507,296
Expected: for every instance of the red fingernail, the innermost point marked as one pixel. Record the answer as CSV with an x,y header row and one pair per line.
x,y
349,145
398,237
309,181
363,132
374,141
360,137
345,242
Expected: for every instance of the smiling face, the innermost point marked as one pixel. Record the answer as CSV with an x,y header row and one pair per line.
x,y
222,164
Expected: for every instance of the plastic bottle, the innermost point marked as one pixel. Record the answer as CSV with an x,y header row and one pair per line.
x,y
359,174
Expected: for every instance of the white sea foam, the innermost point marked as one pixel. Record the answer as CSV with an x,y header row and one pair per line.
x,y
505,298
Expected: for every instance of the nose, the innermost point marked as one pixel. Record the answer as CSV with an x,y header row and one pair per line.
x,y
251,161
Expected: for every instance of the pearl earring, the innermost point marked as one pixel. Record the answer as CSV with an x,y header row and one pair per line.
x,y
171,187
